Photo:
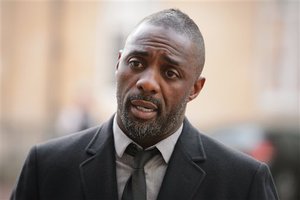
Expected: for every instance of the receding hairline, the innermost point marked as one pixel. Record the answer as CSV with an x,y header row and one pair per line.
x,y
182,24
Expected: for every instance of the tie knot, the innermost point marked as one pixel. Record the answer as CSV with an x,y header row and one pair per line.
x,y
141,157
132,149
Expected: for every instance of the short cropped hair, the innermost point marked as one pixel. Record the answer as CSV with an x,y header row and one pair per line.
x,y
182,24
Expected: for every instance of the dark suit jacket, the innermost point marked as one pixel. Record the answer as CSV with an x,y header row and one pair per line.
x,y
82,166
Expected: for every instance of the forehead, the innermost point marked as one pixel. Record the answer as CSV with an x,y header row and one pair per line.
x,y
148,36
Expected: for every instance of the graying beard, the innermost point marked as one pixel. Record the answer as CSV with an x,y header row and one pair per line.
x,y
139,130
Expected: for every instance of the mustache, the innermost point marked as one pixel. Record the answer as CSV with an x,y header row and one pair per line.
x,y
151,99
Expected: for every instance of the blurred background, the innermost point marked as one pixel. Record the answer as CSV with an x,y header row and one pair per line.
x,y
58,62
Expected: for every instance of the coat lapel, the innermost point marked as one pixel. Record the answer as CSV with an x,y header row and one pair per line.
x,y
98,171
184,174
182,179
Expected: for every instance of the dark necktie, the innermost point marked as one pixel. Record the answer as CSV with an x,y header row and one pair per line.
x,y
135,188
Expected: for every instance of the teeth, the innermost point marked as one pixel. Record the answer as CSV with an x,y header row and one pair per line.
x,y
144,109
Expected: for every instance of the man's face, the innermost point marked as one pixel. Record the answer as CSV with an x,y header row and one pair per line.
x,y
155,80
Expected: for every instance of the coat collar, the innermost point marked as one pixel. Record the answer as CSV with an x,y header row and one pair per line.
x,y
182,179
98,171
191,141
184,173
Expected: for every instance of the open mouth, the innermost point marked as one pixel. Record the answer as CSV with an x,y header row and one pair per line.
x,y
143,109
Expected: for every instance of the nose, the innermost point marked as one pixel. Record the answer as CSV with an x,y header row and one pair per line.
x,y
148,82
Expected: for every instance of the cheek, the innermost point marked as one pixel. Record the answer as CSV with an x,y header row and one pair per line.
x,y
122,73
124,79
178,93
173,95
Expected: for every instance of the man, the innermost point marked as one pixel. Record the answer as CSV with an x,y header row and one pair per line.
x,y
158,73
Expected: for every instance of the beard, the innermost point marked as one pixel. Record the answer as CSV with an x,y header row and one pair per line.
x,y
163,124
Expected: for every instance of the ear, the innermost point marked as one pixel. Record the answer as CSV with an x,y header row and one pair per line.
x,y
197,87
119,56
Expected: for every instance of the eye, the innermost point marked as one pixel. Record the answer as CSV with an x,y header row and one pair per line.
x,y
172,74
135,64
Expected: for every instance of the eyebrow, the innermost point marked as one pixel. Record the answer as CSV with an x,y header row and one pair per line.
x,y
171,61
143,53
139,53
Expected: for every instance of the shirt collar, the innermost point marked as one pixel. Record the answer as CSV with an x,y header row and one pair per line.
x,y
166,146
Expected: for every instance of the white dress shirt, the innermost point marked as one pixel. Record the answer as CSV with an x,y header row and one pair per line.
x,y
155,168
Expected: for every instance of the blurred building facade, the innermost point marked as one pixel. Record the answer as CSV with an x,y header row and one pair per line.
x,y
60,53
